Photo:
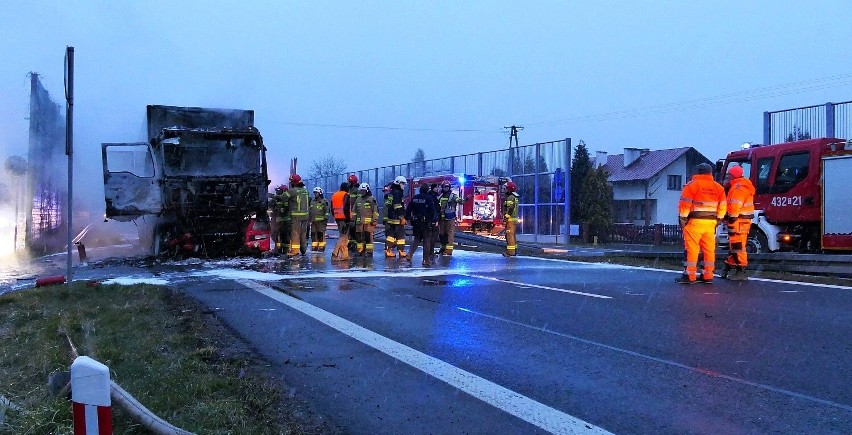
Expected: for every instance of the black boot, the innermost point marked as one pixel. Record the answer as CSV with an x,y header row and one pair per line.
x,y
684,279
739,275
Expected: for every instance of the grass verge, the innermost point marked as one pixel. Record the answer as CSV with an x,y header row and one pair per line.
x,y
159,347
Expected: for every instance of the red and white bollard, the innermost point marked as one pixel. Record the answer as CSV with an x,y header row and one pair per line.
x,y
90,397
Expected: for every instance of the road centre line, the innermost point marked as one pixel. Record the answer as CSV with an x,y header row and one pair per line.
x,y
654,269
698,370
518,405
593,295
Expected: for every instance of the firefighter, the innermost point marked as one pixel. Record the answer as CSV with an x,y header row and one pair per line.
x,y
298,201
319,220
434,193
447,203
740,202
421,214
340,209
702,206
510,218
366,216
354,193
388,202
395,229
281,213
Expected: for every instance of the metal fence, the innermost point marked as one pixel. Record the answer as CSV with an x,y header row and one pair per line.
x,y
657,234
541,171
824,120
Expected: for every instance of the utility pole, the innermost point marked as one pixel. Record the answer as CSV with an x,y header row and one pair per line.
x,y
69,150
513,134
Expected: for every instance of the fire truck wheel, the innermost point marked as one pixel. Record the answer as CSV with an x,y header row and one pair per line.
x,y
757,242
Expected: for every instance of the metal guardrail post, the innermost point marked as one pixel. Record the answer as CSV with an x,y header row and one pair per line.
x,y
829,119
567,191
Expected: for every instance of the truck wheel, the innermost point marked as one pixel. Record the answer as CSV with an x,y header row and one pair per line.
x,y
757,242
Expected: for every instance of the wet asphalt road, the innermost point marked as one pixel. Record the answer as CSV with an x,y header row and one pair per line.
x,y
623,349
483,344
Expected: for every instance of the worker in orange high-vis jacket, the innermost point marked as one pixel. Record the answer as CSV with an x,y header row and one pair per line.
x,y
702,206
340,210
738,219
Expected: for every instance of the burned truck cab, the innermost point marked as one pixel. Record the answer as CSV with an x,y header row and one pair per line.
x,y
199,181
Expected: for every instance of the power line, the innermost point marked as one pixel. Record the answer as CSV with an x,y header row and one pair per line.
x,y
698,103
380,127
750,95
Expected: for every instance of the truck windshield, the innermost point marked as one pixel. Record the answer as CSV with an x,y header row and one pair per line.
x,y
200,156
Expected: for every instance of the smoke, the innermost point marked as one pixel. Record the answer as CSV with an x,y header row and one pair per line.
x,y
11,225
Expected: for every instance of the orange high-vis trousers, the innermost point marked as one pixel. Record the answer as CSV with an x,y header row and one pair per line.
x,y
700,234
737,240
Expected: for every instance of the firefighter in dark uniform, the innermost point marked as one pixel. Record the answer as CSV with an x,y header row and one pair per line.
x,y
366,217
421,215
510,218
281,215
319,220
354,193
433,196
298,201
395,229
388,202
447,203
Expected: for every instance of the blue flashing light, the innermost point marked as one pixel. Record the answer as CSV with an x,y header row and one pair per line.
x,y
461,179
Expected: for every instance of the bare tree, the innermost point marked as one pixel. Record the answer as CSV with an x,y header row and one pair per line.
x,y
327,166
419,161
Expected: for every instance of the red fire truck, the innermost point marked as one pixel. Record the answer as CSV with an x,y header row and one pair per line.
x,y
800,201
481,212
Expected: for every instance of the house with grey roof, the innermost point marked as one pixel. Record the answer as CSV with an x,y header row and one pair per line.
x,y
646,184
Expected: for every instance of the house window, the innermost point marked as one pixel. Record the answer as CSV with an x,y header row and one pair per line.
x,y
675,182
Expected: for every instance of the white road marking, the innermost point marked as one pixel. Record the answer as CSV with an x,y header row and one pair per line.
x,y
529,410
524,284
663,361
653,269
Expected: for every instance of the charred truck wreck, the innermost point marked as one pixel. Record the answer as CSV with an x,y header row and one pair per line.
x,y
199,183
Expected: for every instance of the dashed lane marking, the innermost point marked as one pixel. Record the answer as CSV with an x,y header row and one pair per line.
x,y
524,284
518,405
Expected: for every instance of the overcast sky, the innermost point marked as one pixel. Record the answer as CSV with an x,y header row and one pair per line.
x,y
442,76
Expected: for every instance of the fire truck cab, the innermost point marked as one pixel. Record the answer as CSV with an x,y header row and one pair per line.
x,y
790,192
480,212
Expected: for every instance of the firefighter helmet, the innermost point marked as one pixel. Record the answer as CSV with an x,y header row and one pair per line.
x,y
736,171
399,180
353,179
318,190
511,187
364,186
281,189
295,178
445,183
